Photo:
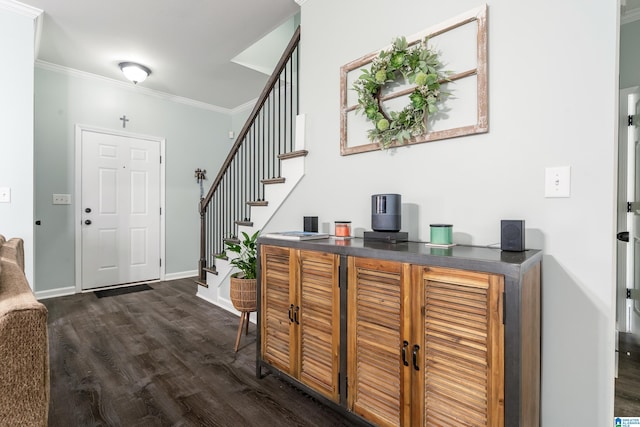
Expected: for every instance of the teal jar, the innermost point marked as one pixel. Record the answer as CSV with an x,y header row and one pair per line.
x,y
441,234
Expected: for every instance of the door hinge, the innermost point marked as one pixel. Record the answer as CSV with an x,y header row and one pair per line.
x,y
160,159
160,210
633,294
160,262
633,206
631,120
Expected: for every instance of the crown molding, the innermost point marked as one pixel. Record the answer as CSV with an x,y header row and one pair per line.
x,y
21,8
128,86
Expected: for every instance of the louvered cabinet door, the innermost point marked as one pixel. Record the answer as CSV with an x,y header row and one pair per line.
x,y
376,330
278,337
458,322
319,319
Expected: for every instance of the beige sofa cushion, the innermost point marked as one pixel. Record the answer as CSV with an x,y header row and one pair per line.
x,y
12,251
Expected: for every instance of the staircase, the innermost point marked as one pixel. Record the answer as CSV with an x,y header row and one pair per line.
x,y
262,168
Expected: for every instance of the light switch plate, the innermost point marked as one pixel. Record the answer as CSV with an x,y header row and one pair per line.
x,y
557,181
5,195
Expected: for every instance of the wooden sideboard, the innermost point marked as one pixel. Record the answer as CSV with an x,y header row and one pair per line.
x,y
404,334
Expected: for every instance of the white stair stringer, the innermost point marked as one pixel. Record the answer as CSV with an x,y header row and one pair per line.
x,y
217,291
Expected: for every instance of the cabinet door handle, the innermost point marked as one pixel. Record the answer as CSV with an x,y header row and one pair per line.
x,y
295,315
405,344
416,347
291,314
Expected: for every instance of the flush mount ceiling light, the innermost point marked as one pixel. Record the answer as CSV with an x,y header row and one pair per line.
x,y
134,72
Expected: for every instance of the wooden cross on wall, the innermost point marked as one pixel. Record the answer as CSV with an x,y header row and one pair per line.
x,y
124,121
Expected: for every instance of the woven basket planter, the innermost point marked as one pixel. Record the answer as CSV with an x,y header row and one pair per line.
x,y
243,294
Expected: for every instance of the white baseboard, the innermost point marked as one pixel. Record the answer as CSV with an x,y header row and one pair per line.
x,y
71,290
53,293
180,275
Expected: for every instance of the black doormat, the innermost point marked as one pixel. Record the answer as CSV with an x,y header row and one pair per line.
x,y
122,291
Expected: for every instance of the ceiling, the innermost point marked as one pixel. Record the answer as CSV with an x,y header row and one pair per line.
x,y
188,44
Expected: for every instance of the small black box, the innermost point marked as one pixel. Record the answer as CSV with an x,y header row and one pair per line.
x,y
311,224
387,236
512,235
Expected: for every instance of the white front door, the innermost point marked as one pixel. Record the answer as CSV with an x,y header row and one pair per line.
x,y
120,209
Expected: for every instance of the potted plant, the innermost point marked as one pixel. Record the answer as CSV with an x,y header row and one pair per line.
x,y
243,282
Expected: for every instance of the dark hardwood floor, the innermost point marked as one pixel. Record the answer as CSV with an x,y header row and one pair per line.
x,y
627,395
163,357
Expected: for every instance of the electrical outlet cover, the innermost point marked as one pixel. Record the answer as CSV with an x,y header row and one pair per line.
x,y
61,199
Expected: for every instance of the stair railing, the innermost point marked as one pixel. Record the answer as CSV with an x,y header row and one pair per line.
x,y
268,132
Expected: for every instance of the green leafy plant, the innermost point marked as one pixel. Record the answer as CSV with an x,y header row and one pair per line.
x,y
245,261
419,66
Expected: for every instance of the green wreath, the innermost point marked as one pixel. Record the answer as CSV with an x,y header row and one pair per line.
x,y
418,65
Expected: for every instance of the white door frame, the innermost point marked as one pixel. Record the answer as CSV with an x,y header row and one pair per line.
x,y
78,191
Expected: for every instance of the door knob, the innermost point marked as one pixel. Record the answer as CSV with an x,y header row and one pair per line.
x,y
88,222
88,210
623,236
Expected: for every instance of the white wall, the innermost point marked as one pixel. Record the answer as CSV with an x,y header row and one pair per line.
x,y
552,102
17,35
196,137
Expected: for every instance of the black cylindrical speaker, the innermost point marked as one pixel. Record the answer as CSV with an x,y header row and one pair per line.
x,y
386,212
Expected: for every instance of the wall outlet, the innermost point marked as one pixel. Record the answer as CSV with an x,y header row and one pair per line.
x,y
62,199
557,182
5,195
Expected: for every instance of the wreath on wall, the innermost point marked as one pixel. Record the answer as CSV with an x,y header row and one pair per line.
x,y
418,65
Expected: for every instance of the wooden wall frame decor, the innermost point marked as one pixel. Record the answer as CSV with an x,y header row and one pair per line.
x,y
461,43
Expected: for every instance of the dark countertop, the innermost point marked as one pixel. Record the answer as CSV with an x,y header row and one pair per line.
x,y
479,258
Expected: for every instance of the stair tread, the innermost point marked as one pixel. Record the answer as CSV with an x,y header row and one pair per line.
x,y
211,270
293,154
258,203
278,180
245,223
202,283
